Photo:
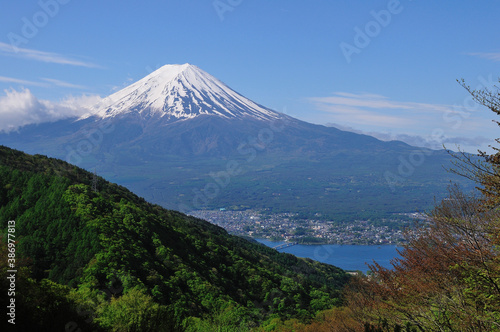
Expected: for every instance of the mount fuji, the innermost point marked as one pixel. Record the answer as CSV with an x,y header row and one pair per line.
x,y
179,92
183,139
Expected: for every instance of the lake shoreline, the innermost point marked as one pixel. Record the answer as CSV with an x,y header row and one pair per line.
x,y
257,239
349,257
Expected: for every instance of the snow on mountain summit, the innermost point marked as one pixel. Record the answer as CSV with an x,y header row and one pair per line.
x,y
181,92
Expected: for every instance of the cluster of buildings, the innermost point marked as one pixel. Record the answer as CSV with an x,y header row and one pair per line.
x,y
286,227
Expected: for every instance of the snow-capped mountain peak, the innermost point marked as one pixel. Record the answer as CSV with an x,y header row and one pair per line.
x,y
180,92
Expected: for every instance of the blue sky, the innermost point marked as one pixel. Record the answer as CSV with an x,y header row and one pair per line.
x,y
387,68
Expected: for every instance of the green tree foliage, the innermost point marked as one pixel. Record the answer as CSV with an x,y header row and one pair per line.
x,y
39,305
134,311
49,232
134,266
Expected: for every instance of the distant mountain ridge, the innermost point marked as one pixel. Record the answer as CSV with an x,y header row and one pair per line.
x,y
166,135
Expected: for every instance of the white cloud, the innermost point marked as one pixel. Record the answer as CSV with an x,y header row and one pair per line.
x,y
49,82
20,108
80,102
418,124
370,110
64,84
356,116
376,110
21,81
374,101
470,143
7,49
489,56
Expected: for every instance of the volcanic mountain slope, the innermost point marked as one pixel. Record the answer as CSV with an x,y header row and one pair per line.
x,y
133,266
185,140
181,109
179,92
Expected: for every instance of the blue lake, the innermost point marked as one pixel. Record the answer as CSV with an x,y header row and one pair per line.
x,y
347,257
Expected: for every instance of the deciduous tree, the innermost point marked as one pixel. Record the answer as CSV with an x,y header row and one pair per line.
x,y
448,275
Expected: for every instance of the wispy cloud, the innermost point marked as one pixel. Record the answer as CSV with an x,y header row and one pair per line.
x,y
471,143
47,83
489,56
357,116
418,124
377,110
21,81
9,50
64,84
377,102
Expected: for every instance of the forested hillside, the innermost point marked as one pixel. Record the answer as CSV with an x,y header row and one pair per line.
x,y
106,259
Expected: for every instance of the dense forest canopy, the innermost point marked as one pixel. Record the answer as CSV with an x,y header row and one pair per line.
x,y
106,259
